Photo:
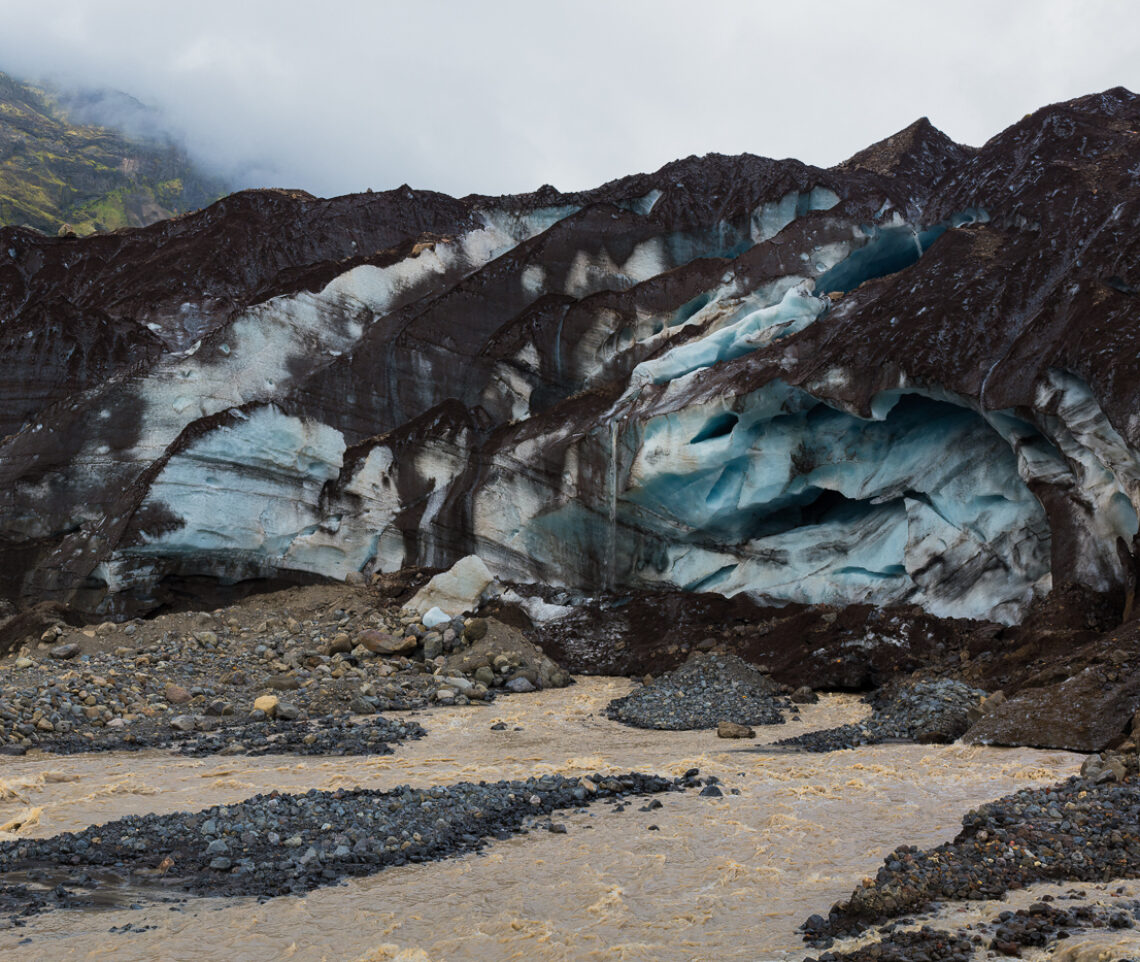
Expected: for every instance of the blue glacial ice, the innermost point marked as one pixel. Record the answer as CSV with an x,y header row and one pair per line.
x,y
889,249
755,323
775,493
771,218
790,499
250,488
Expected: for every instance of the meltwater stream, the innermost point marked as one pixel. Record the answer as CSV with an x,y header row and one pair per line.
x,y
718,878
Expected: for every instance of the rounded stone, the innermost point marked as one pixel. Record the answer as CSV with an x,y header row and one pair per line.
x,y
267,704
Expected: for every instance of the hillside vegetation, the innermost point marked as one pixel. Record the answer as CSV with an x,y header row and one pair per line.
x,y
57,175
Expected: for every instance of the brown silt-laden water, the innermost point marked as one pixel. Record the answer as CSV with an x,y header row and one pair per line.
x,y
716,878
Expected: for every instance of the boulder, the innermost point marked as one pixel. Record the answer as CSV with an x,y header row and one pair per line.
x,y
267,704
455,591
984,707
341,644
382,643
510,648
176,694
1110,768
727,729
475,630
1084,713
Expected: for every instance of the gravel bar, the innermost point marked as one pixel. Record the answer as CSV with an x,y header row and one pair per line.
x,y
278,844
1081,830
924,711
705,691
333,735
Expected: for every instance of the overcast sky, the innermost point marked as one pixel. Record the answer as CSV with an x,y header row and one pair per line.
x,y
497,97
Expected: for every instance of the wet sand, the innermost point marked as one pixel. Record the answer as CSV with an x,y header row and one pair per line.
x,y
720,878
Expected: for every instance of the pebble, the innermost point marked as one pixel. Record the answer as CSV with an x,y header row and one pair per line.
x,y
286,711
475,630
383,643
804,696
267,704
176,694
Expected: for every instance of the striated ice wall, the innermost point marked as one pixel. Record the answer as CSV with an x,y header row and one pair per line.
x,y
773,490
788,499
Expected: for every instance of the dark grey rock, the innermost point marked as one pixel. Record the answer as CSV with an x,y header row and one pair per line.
x,y
1084,713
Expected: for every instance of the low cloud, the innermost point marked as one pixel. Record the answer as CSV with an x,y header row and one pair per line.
x,y
503,97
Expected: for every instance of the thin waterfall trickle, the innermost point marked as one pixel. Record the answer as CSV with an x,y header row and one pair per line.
x,y
611,539
558,345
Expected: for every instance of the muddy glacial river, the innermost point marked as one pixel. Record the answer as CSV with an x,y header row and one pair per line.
x,y
701,878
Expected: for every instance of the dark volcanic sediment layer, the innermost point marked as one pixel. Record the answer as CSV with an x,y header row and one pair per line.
x,y
907,380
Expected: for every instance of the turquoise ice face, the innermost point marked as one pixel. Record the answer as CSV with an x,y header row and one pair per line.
x,y
790,499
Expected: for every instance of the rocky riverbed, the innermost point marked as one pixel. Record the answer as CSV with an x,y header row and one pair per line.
x,y
1085,829
331,747
1074,923
910,710
278,673
282,844
1043,928
669,882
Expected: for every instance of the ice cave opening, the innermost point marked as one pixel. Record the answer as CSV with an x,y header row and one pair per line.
x,y
791,499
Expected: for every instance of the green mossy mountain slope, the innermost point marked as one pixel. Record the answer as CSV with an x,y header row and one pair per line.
x,y
56,175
